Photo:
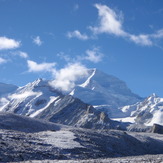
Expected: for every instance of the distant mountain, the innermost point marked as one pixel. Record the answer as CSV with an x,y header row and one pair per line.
x,y
6,88
38,99
99,88
147,112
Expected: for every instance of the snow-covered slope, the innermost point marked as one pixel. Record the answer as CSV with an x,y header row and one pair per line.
x,y
147,112
31,99
6,88
99,88
39,100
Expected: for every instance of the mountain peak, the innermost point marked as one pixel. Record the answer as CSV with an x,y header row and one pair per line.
x,y
153,95
99,88
37,83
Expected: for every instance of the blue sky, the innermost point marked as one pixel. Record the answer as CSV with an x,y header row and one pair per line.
x,y
43,38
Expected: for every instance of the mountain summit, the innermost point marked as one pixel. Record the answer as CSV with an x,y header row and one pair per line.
x,y
99,88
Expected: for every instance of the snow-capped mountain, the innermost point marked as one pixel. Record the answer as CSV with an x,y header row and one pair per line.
x,y
147,112
32,98
39,100
6,88
99,88
108,95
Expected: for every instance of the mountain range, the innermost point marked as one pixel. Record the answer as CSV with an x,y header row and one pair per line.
x,y
98,101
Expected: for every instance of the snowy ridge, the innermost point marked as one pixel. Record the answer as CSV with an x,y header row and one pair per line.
x,y
147,112
86,83
33,97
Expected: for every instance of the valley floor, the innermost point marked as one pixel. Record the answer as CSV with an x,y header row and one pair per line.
x,y
134,159
24,139
83,145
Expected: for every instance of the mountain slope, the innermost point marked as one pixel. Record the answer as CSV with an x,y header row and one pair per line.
x,y
32,98
72,111
39,100
147,112
99,88
9,121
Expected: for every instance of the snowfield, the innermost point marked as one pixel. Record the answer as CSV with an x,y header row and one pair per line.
x,y
61,139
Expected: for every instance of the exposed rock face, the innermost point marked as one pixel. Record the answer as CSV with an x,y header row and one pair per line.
x,y
157,129
72,111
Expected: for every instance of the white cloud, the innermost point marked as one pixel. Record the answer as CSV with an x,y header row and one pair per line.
x,y
42,67
20,54
65,78
158,34
64,56
109,21
7,43
77,34
23,54
141,39
2,60
94,55
37,40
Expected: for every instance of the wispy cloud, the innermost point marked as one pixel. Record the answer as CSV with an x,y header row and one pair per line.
x,y
109,21
142,39
158,34
65,78
40,67
20,54
8,43
37,40
77,34
94,55
64,56
2,60
76,7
